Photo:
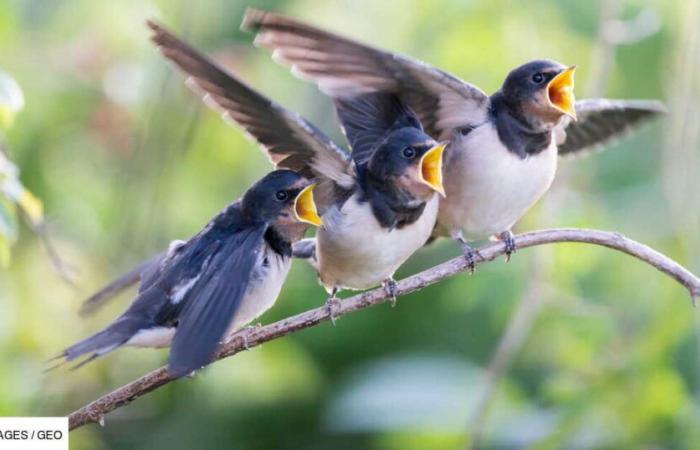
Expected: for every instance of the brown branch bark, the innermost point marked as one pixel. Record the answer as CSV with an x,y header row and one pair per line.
x,y
94,412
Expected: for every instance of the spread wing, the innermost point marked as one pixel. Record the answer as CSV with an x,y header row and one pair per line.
x,y
213,300
367,118
291,142
342,67
602,120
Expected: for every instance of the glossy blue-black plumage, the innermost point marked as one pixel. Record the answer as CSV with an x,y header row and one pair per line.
x,y
199,284
380,129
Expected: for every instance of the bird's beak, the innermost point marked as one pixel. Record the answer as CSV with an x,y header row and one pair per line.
x,y
431,168
305,207
560,92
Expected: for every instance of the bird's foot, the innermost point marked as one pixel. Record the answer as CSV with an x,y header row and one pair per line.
x,y
390,288
333,304
246,333
472,256
507,238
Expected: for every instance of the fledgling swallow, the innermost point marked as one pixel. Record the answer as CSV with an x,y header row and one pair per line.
x,y
216,282
503,148
379,203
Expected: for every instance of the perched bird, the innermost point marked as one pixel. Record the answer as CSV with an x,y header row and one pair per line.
x,y
379,204
219,280
503,148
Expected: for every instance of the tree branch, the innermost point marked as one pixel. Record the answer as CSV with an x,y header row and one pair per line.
x,y
95,411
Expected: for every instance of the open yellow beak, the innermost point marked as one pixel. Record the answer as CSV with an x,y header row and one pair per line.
x,y
560,92
431,168
305,207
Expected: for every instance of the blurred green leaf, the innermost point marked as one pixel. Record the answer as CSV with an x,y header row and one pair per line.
x,y
12,189
8,221
14,194
11,100
8,230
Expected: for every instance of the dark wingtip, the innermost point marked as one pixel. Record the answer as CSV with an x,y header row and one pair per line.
x,y
158,31
177,370
93,303
115,287
659,107
152,24
253,19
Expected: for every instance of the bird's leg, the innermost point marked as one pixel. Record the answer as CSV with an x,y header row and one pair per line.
x,y
470,253
507,238
246,332
390,287
332,303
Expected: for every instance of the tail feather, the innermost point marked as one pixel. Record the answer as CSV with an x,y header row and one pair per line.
x,y
101,343
104,341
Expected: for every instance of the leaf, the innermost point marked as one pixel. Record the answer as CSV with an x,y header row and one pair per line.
x,y
8,221
8,230
11,100
13,189
4,251
31,207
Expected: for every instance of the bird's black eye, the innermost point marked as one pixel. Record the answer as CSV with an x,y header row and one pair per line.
x,y
538,78
281,195
408,152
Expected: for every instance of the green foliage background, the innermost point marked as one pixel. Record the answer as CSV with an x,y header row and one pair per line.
x,y
125,159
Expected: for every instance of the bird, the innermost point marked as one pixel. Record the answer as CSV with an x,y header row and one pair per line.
x,y
204,289
503,148
379,203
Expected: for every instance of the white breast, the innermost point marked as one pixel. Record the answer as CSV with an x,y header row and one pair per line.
x,y
488,187
355,252
264,288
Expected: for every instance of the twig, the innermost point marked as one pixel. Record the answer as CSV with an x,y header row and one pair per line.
x,y
95,411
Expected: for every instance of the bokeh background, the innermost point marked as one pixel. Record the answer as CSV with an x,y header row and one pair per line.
x,y
567,346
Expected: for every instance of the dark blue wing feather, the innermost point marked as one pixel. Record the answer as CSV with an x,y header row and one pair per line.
x,y
155,306
367,118
212,302
290,141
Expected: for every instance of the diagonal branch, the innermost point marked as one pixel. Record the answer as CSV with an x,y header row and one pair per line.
x,y
95,411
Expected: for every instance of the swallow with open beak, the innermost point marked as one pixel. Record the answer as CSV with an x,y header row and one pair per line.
x,y
503,148
221,279
379,203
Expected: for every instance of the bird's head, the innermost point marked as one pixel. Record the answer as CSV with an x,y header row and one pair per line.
x,y
284,199
543,89
411,161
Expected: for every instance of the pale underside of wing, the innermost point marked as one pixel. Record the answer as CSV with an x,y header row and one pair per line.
x,y
290,141
342,67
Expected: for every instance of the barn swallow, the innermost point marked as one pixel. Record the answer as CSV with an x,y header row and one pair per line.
x,y
503,148
221,279
379,203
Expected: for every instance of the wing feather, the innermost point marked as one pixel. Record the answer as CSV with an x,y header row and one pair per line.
x,y
601,121
290,141
213,300
345,68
